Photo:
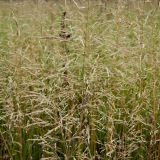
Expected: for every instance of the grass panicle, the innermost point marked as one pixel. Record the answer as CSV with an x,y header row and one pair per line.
x,y
79,80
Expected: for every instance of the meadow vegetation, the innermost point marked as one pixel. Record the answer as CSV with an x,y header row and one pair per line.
x,y
79,81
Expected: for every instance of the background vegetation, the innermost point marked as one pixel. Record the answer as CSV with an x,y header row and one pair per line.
x,y
79,80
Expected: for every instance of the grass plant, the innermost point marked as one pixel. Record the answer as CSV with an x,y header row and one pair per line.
x,y
79,81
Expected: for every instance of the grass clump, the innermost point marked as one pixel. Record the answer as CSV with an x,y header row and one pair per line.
x,y
79,82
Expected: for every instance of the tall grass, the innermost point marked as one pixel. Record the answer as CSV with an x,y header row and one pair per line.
x,y
79,81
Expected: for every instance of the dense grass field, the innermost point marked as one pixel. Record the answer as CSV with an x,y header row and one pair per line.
x,y
79,81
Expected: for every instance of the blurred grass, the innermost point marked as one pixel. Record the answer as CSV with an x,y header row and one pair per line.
x,y
94,96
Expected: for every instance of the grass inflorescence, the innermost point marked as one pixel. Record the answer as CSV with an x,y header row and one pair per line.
x,y
79,81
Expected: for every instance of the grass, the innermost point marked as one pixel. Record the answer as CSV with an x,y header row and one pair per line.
x,y
84,85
